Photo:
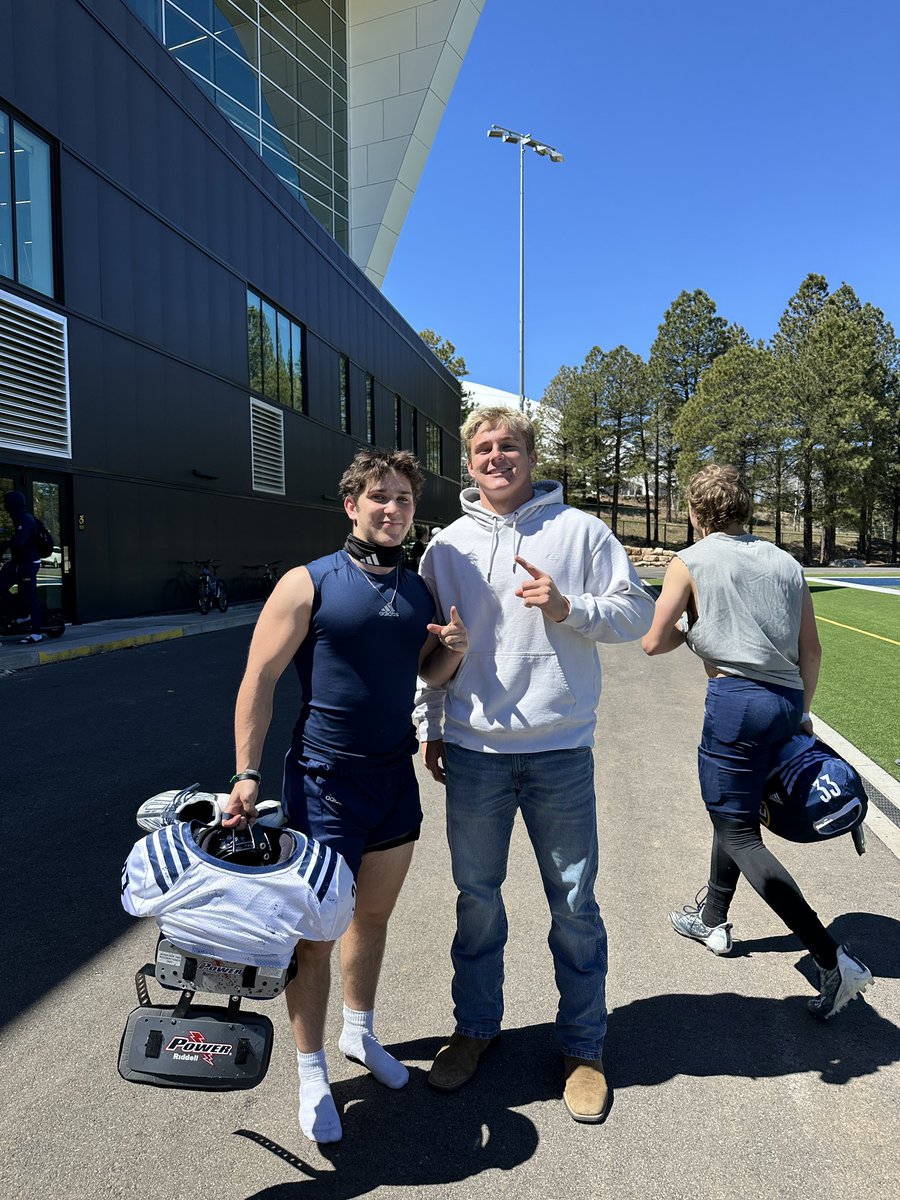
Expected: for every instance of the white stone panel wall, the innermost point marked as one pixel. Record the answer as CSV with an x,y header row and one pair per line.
x,y
403,60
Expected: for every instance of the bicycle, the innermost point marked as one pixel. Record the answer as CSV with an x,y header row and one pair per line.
x,y
210,588
269,575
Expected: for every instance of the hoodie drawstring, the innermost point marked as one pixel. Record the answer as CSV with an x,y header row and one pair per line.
x,y
513,523
495,541
516,547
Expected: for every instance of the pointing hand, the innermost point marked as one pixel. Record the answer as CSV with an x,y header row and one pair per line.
x,y
541,592
453,636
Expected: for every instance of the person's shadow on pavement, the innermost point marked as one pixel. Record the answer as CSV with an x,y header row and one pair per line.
x,y
873,936
653,1039
418,1136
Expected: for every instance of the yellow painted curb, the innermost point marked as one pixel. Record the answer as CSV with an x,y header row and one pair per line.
x,y
142,639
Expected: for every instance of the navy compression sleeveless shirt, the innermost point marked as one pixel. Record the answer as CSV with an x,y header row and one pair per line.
x,y
358,663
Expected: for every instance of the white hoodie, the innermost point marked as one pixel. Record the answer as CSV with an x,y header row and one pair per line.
x,y
528,684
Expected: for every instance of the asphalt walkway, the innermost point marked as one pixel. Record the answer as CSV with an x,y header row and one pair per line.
x,y
725,1087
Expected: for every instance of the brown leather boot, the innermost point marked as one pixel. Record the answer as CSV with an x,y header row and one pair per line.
x,y
457,1062
587,1095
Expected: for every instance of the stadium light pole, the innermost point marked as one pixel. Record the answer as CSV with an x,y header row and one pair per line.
x,y
522,140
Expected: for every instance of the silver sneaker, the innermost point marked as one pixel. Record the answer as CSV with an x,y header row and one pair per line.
x,y
840,985
190,804
689,924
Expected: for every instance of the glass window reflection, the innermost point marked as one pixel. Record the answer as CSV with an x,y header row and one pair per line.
x,y
34,216
7,258
297,366
200,10
189,43
254,340
317,15
284,61
339,37
284,359
432,447
236,77
275,346
247,124
269,346
236,29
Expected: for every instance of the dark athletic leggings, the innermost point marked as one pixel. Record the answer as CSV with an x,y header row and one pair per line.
x,y
737,850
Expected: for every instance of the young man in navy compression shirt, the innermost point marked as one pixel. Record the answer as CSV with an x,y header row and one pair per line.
x,y
358,627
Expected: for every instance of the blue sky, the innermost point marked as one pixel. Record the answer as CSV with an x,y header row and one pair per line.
x,y
730,146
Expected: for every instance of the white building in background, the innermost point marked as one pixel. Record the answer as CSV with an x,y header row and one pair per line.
x,y
482,396
403,60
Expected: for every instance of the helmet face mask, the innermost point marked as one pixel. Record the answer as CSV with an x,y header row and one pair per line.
x,y
253,846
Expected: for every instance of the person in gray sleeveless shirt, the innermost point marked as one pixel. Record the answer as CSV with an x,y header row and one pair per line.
x,y
742,605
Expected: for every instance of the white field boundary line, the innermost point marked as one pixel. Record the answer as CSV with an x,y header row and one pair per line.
x,y
883,827
863,587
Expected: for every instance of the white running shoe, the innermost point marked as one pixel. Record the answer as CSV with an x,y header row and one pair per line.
x,y
840,985
689,924
190,804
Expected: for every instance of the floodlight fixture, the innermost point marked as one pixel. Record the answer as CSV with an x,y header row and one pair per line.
x,y
522,140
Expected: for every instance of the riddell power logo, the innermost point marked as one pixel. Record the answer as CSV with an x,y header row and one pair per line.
x,y
192,1047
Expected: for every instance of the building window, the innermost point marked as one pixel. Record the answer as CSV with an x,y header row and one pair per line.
x,y
432,447
26,207
344,391
278,72
275,353
398,423
370,409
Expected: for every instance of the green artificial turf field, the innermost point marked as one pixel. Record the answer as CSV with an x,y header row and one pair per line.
x,y
859,685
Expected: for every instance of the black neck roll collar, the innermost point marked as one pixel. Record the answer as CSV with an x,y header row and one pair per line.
x,y
371,555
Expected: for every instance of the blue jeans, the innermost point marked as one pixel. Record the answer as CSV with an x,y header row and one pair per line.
x,y
555,792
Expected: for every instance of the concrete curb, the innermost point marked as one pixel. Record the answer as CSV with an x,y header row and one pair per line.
x,y
68,652
104,637
880,824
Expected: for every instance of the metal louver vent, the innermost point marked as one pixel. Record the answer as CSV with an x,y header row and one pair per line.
x,y
267,447
34,379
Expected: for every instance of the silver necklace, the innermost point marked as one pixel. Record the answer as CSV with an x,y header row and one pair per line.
x,y
387,610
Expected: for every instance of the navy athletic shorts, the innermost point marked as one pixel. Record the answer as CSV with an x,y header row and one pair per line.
x,y
744,725
353,811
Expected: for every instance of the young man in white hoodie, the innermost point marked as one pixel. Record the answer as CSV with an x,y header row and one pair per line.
x,y
538,585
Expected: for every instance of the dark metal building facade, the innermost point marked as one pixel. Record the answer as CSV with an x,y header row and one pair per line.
x,y
149,437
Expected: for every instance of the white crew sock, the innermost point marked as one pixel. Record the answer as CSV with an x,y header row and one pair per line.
x,y
318,1115
359,1043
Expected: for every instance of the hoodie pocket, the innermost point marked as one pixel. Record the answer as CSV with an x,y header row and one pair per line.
x,y
513,691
